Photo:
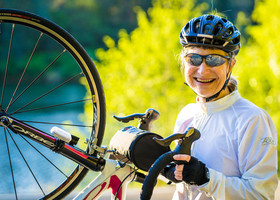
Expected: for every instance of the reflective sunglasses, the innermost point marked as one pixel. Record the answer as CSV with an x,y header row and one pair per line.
x,y
212,60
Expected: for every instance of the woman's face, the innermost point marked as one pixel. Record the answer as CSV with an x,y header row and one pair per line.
x,y
205,80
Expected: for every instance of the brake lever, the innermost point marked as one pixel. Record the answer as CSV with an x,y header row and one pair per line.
x,y
185,140
183,147
146,118
128,118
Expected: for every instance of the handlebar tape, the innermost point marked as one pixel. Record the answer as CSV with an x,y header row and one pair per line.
x,y
156,168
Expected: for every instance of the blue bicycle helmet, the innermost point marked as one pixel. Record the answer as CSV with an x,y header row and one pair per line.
x,y
213,31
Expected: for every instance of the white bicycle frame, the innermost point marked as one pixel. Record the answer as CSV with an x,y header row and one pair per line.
x,y
113,177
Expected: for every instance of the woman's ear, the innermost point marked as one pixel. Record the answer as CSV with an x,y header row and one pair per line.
x,y
231,65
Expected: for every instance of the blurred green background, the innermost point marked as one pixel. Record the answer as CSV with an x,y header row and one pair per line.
x,y
134,44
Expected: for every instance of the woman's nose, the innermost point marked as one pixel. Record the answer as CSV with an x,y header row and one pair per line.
x,y
203,68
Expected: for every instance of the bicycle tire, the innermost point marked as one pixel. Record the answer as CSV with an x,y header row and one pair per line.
x,y
88,71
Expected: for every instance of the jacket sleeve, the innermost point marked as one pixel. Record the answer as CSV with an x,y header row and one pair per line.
x,y
257,156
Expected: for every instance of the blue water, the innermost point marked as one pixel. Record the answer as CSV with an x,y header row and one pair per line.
x,y
47,175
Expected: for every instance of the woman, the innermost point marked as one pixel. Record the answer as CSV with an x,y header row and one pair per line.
x,y
236,155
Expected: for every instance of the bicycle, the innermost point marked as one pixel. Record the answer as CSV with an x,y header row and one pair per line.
x,y
57,75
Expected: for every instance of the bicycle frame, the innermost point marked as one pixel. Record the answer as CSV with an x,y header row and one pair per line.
x,y
113,177
77,155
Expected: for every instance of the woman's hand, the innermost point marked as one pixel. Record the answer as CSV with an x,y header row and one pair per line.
x,y
193,171
179,168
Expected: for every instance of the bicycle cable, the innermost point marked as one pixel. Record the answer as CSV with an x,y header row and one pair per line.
x,y
123,182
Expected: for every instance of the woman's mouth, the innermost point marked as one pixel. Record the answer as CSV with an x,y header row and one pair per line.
x,y
204,80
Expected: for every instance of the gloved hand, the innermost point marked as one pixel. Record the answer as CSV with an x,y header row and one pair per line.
x,y
168,172
192,171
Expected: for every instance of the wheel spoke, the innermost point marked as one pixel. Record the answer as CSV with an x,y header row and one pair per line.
x,y
11,166
44,156
62,104
35,79
62,124
7,64
27,84
70,79
23,73
26,163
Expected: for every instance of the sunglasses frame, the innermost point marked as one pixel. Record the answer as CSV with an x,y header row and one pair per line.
x,y
205,58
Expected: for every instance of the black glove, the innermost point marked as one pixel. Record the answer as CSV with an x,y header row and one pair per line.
x,y
195,172
168,172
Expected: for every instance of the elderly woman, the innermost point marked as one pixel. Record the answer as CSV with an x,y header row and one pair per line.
x,y
236,156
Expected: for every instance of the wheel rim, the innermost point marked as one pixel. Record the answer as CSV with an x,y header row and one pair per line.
x,y
18,100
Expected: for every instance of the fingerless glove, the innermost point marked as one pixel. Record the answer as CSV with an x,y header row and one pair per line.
x,y
195,172
168,172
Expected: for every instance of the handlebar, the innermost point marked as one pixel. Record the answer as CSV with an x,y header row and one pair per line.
x,y
146,118
183,147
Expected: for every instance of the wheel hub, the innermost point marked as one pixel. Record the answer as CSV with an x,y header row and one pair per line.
x,y
5,121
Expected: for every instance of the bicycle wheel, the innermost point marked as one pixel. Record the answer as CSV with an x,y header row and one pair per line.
x,y
47,80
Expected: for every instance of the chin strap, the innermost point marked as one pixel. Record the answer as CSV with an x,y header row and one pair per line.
x,y
223,88
218,93
207,99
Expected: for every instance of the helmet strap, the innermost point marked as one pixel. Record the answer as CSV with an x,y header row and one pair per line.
x,y
224,86
207,99
215,95
218,93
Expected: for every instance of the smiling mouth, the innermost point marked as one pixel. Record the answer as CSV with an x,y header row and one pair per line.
x,y
204,80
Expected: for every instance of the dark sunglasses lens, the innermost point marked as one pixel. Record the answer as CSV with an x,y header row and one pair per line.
x,y
195,60
215,60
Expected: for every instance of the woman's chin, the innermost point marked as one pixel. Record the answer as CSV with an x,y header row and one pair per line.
x,y
204,95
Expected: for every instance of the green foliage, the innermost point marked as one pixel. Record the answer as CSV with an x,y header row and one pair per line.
x,y
88,20
259,60
141,69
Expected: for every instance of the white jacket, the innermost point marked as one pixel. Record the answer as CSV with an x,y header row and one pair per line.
x,y
238,144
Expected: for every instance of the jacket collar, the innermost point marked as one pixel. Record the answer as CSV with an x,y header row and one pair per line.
x,y
220,104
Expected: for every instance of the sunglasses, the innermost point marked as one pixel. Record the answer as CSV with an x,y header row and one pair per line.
x,y
211,60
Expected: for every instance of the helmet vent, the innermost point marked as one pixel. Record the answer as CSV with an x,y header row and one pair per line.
x,y
210,17
212,31
228,32
206,28
225,20
204,40
192,39
236,40
218,42
187,28
218,27
196,26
